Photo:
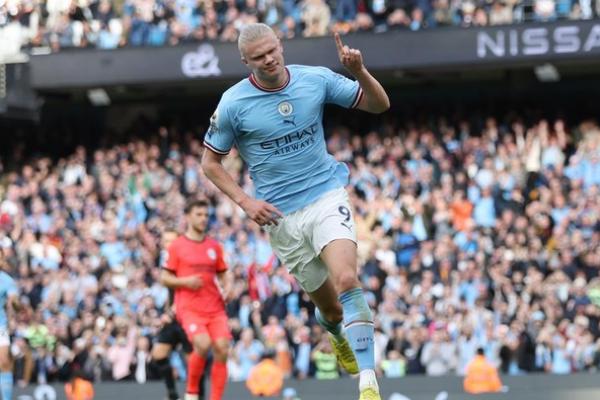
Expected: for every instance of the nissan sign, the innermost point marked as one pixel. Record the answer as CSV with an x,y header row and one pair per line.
x,y
537,41
451,49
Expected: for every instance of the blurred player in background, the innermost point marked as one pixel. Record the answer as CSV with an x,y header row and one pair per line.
x,y
171,336
196,270
9,302
275,118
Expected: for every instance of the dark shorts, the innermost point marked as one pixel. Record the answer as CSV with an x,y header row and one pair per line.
x,y
173,334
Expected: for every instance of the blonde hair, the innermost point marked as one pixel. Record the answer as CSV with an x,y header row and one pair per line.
x,y
252,32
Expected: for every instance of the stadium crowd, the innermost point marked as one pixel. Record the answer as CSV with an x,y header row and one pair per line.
x,y
108,24
469,236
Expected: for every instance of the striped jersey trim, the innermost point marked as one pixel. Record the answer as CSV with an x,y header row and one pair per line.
x,y
212,148
264,89
359,95
359,322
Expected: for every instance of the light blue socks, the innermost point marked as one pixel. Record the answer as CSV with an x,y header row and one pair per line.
x,y
6,385
358,323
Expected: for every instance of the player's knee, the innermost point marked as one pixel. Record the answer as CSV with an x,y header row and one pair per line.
x,y
156,355
201,350
221,350
201,344
160,352
346,280
5,364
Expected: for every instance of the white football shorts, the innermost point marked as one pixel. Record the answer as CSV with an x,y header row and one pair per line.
x,y
4,337
299,237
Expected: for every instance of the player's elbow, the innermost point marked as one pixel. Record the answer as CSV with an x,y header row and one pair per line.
x,y
387,104
382,106
164,279
204,162
209,165
377,106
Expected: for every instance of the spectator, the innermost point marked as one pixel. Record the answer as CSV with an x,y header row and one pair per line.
x,y
302,352
325,361
394,366
466,347
101,24
461,209
439,355
121,354
316,16
501,13
249,351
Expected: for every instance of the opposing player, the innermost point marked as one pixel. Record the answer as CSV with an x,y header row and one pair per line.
x,y
9,301
275,119
196,270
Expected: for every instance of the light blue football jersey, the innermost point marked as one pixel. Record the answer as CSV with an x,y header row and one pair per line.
x,y
279,134
8,287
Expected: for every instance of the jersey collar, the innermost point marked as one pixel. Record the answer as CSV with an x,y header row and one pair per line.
x,y
264,89
193,240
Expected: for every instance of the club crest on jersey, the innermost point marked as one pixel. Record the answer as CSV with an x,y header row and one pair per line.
x,y
212,254
213,127
285,108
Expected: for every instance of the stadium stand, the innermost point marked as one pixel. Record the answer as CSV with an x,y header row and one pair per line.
x,y
476,197
108,24
471,234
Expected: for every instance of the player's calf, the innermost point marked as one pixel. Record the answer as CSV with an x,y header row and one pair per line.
x,y
6,375
219,369
165,371
195,369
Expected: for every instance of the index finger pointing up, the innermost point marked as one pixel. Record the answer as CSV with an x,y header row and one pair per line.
x,y
338,43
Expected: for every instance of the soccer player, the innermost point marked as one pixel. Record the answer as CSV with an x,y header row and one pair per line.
x,y
198,273
171,334
8,301
274,117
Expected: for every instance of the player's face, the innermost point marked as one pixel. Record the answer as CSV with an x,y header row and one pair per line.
x,y
198,219
264,57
